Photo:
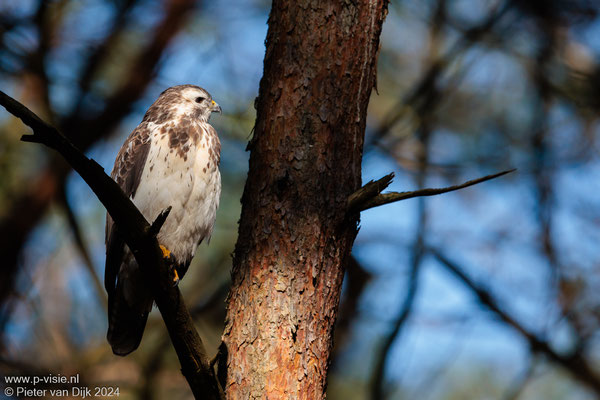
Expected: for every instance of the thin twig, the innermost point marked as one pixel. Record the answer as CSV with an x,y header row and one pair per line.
x,y
392,197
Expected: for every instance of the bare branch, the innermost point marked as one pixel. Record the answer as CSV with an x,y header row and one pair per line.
x,y
138,235
28,118
392,197
368,192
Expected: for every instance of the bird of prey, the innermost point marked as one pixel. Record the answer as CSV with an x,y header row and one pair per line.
x,y
170,160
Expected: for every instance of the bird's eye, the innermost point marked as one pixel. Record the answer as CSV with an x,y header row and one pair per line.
x,y
200,99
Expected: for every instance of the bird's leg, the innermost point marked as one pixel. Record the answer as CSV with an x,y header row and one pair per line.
x,y
175,276
167,256
166,252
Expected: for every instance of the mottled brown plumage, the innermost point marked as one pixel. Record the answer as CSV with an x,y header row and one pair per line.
x,y
170,160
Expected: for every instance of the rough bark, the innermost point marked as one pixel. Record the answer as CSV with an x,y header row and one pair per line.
x,y
295,235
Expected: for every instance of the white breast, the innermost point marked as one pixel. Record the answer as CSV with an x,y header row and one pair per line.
x,y
185,184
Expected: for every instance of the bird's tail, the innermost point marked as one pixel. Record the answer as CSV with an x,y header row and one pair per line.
x,y
126,322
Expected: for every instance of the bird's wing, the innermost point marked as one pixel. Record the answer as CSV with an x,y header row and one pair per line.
x,y
127,172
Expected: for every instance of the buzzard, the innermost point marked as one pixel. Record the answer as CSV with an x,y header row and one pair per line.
x,y
170,159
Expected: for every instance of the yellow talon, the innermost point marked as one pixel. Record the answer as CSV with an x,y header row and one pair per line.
x,y
175,277
166,252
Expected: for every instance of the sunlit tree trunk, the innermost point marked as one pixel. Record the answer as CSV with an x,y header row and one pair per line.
x,y
295,235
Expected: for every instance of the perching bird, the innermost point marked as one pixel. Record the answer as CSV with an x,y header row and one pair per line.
x,y
170,160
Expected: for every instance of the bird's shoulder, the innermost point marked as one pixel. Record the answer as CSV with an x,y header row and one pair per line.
x,y
132,157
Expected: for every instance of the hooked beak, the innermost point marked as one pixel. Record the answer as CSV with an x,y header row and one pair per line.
x,y
215,107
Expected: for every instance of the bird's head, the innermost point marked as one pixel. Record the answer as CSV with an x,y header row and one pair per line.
x,y
193,100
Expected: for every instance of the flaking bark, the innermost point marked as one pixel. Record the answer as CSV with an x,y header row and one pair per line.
x,y
295,235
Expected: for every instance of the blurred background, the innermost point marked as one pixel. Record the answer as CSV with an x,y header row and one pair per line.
x,y
491,292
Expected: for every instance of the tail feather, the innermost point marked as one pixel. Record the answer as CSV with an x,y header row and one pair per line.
x,y
125,323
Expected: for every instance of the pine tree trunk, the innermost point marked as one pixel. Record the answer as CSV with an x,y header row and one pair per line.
x,y
294,234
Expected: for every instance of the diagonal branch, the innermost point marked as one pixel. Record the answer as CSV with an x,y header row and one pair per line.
x,y
140,237
577,365
366,193
366,197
